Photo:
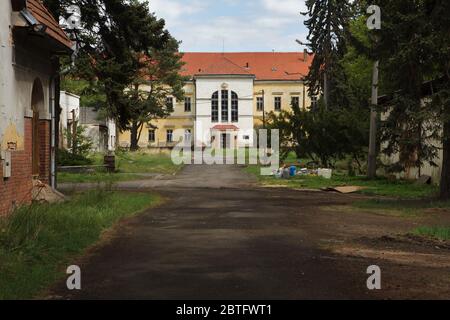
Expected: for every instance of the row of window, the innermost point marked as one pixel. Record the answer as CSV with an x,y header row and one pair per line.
x,y
295,102
187,103
169,135
224,99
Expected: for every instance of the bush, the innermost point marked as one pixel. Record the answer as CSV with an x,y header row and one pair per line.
x,y
81,144
77,154
66,158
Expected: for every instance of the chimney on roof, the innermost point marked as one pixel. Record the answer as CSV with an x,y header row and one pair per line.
x,y
247,65
305,55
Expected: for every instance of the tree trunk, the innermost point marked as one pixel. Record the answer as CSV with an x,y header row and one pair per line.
x,y
445,175
372,158
326,90
134,137
298,152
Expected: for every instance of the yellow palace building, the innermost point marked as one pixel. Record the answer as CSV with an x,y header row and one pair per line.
x,y
227,96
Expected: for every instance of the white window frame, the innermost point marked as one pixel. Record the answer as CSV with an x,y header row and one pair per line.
x,y
169,133
153,131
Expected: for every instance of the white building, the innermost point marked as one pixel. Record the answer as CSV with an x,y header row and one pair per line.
x,y
227,96
231,98
102,131
69,117
30,43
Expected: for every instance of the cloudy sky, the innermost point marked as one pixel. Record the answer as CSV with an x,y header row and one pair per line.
x,y
242,25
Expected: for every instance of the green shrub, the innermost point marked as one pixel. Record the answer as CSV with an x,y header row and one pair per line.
x,y
66,158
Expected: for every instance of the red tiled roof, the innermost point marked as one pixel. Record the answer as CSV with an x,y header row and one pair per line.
x,y
263,65
40,12
225,127
219,65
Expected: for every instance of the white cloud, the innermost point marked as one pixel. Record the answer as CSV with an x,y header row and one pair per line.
x,y
285,7
253,25
271,22
173,11
237,35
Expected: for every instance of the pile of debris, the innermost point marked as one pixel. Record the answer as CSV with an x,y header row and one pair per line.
x,y
344,189
287,172
43,193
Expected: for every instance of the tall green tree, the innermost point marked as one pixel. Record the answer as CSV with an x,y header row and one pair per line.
x,y
414,49
438,12
410,127
113,36
337,129
327,23
146,96
404,59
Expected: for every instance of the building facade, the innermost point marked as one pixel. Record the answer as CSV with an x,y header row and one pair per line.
x,y
228,95
69,116
30,41
101,130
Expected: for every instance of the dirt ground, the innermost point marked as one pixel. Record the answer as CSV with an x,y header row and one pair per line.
x,y
220,236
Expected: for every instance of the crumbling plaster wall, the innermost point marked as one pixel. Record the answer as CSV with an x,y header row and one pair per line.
x,y
20,65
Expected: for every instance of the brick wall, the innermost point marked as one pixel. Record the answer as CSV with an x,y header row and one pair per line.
x,y
17,189
44,151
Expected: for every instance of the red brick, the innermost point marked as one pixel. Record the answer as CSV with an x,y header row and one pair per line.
x,y
16,190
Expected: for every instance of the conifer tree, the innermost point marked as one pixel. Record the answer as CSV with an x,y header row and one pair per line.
x,y
414,49
439,70
115,34
327,23
159,78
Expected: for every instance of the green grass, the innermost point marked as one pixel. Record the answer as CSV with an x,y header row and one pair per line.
x,y
128,167
140,162
410,208
380,186
400,207
441,233
97,177
401,204
38,242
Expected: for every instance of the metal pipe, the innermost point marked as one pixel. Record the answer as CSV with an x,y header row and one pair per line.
x,y
53,134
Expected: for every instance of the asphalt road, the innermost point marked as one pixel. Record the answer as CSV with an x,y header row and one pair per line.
x,y
218,236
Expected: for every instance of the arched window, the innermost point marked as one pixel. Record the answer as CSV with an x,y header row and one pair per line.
x,y
224,96
234,107
215,107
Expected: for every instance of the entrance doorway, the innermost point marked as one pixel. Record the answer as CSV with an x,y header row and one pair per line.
x,y
225,140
